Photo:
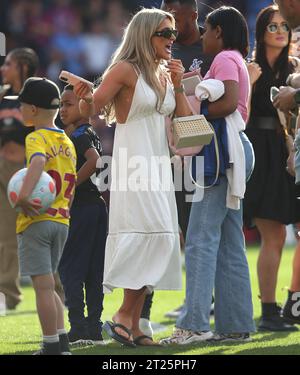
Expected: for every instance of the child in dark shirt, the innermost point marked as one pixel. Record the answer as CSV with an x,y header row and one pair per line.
x,y
81,266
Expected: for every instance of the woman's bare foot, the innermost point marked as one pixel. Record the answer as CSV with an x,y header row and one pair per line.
x,y
126,321
137,332
140,339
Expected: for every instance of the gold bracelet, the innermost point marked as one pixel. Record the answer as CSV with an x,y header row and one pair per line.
x,y
179,90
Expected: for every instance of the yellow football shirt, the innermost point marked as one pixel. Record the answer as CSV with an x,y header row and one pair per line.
x,y
60,155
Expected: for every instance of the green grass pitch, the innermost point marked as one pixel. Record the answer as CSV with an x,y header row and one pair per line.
x,y
20,331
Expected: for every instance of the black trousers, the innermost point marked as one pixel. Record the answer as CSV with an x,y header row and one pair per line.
x,y
82,264
183,210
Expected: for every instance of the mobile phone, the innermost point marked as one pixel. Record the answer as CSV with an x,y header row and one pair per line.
x,y
273,92
190,83
73,79
4,89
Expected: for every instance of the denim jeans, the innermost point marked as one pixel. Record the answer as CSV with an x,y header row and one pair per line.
x,y
249,155
216,259
297,158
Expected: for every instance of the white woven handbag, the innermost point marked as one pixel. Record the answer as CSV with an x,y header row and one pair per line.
x,y
191,131
194,131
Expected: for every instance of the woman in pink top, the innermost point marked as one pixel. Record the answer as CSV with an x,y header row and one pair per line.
x,y
215,247
229,65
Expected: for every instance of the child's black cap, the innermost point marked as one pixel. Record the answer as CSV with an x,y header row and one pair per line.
x,y
40,92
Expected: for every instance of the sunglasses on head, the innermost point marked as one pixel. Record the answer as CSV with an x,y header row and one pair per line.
x,y
167,33
274,27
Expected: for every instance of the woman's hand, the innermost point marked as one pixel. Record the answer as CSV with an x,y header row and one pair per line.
x,y
254,71
83,91
285,100
86,104
176,69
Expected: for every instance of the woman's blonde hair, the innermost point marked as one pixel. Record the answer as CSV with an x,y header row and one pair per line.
x,y
136,48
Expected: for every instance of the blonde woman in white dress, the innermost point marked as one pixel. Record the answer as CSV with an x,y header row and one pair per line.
x,y
138,92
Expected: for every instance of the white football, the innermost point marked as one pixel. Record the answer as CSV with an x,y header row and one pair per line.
x,y
44,192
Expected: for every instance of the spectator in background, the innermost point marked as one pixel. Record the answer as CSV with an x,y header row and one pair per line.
x,y
187,48
270,201
295,47
135,5
95,9
288,99
188,45
252,10
117,19
39,29
61,14
19,64
290,11
4,14
98,47
68,44
17,19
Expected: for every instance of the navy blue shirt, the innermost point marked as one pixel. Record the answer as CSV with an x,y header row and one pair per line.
x,y
187,54
85,138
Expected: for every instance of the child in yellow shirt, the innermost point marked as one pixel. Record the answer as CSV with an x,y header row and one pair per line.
x,y
41,237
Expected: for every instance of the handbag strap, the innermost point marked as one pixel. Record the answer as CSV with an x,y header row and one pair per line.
x,y
218,165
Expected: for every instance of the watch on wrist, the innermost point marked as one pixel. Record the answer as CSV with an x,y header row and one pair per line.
x,y
297,97
179,89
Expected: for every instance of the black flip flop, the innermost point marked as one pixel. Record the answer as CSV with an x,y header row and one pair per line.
x,y
110,329
138,341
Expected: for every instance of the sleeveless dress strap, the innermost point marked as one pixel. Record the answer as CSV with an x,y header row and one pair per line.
x,y
136,69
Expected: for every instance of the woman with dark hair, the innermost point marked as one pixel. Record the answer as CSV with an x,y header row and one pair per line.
x,y
19,64
270,200
215,247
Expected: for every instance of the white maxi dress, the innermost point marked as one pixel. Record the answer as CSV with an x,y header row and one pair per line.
x,y
143,247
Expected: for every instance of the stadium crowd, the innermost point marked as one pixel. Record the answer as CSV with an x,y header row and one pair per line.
x,y
70,28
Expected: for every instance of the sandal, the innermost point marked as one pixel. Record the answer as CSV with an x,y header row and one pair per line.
x,y
110,329
138,341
